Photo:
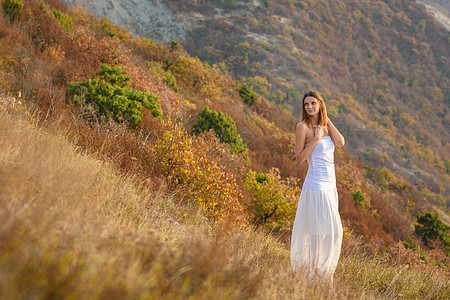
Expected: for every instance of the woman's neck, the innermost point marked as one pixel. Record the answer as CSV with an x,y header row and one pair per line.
x,y
314,119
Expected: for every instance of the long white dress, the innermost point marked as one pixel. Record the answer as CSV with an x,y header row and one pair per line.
x,y
317,233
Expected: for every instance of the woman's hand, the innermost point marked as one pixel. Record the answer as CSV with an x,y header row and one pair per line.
x,y
303,150
336,136
318,131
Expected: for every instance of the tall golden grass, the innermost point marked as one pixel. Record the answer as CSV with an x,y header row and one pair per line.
x,y
74,227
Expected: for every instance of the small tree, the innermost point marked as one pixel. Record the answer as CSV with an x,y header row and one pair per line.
x,y
224,127
248,95
12,9
432,228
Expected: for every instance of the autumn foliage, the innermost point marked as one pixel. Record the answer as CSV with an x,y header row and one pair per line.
x,y
149,96
185,163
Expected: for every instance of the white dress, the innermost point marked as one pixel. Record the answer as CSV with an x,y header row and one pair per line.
x,y
317,233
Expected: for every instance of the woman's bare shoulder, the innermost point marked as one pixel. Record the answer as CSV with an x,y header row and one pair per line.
x,y
302,127
302,124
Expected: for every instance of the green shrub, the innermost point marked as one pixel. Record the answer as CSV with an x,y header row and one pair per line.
x,y
432,228
114,75
248,95
300,4
360,198
114,31
273,201
166,75
64,20
262,177
170,80
224,127
111,96
12,9
411,244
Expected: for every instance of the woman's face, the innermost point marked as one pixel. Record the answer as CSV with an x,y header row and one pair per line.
x,y
311,105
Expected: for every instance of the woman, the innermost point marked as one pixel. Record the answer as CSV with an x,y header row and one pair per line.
x,y
317,233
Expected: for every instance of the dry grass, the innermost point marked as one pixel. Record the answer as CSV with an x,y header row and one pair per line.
x,y
396,274
376,276
72,227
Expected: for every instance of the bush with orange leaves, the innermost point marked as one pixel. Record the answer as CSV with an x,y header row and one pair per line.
x,y
184,161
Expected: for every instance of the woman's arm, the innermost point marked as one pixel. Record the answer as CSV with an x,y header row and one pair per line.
x,y
336,136
302,152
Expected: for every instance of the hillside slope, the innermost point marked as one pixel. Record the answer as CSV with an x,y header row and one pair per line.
x,y
133,102
105,190
383,66
73,226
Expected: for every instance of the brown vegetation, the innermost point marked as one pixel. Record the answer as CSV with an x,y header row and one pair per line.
x,y
74,227
126,223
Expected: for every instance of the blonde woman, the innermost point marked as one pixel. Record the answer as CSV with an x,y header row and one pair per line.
x,y
317,232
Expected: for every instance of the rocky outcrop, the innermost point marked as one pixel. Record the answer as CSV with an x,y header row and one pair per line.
x,y
148,18
440,11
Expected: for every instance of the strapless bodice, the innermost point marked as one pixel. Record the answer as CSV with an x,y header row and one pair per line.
x,y
321,173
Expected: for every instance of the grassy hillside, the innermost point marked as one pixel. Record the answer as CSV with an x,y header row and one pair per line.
x,y
107,175
40,58
73,226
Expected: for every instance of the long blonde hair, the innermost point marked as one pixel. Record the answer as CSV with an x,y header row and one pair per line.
x,y
322,119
